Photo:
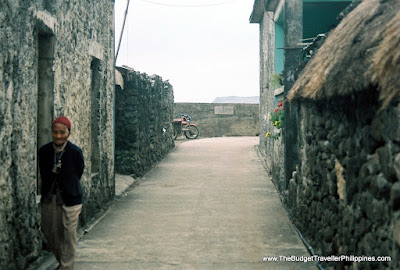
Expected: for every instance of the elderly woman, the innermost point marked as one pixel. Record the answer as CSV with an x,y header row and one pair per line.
x,y
61,166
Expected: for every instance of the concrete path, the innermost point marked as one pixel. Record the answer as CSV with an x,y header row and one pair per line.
x,y
207,205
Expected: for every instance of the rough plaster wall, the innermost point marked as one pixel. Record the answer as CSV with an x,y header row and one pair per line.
x,y
271,149
84,41
76,25
18,224
267,46
264,78
293,58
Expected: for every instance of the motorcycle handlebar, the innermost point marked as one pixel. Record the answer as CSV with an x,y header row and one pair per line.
x,y
187,117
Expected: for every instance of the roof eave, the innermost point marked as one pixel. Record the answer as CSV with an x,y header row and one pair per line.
x,y
263,5
258,11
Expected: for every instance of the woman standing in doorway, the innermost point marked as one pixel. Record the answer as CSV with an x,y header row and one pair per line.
x,y
61,166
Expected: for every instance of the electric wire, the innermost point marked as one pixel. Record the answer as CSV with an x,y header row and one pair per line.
x,y
122,31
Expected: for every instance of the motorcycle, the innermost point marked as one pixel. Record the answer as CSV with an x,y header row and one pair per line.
x,y
183,125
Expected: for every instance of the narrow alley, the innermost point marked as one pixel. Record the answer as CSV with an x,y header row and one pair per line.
x,y
297,103
207,205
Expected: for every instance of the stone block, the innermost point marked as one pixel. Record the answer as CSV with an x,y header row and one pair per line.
x,y
391,124
292,196
386,161
380,187
372,166
395,196
396,166
341,182
396,232
377,211
335,140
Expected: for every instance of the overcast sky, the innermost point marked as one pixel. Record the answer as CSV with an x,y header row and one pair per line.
x,y
205,48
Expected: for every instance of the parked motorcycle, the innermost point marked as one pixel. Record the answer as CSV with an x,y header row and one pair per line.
x,y
183,125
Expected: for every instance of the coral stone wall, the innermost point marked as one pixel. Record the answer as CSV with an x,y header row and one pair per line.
x,y
345,197
222,119
49,47
143,122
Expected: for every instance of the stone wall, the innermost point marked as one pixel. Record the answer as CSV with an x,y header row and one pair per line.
x,y
271,149
144,133
48,53
267,42
345,196
222,119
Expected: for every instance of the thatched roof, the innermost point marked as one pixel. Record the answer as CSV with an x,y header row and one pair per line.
x,y
385,70
363,50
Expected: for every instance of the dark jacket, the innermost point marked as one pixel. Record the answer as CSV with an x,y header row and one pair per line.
x,y
70,173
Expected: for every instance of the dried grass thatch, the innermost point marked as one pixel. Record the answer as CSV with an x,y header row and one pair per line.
x,y
385,70
363,50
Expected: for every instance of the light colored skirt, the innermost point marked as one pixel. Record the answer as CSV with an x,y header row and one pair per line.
x,y
59,223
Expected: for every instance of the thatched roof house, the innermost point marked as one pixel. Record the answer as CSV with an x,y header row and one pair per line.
x,y
362,51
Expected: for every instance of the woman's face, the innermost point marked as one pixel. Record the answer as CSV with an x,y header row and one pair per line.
x,y
60,134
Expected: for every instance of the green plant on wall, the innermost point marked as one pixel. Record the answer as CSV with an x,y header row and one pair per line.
x,y
276,80
277,118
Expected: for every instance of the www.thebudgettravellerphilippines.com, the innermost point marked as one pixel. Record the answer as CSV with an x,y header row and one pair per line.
x,y
332,258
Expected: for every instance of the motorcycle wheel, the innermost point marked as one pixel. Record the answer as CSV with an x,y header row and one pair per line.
x,y
175,134
192,133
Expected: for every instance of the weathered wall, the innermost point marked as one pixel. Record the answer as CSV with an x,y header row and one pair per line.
x,y
143,122
345,197
271,150
293,58
267,48
221,119
66,37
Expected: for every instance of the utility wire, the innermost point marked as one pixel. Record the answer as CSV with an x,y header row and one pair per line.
x,y
182,5
122,31
163,4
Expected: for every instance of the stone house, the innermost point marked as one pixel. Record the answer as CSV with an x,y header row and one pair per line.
x,y
57,58
286,28
345,193
343,187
